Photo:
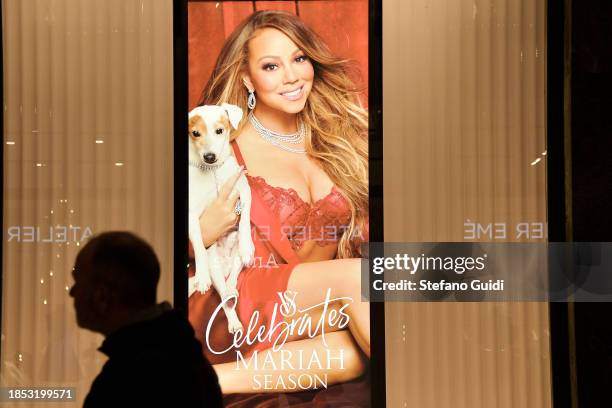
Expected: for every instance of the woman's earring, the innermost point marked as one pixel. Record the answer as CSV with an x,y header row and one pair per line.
x,y
251,101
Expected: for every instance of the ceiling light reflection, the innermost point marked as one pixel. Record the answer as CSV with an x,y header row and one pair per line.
x,y
536,161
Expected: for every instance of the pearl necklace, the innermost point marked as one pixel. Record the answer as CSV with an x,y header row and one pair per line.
x,y
277,139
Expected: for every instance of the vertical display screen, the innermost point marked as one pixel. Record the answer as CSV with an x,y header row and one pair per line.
x,y
279,89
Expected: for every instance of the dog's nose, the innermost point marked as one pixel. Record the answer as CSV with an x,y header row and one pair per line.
x,y
210,158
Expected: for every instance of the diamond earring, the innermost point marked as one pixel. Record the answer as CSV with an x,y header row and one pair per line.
x,y
251,101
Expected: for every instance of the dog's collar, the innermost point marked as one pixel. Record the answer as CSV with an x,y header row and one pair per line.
x,y
204,166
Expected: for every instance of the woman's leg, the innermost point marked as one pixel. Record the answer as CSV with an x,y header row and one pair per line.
x,y
283,367
311,281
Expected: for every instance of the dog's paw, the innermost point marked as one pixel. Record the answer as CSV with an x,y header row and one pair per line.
x,y
203,283
233,325
192,286
247,252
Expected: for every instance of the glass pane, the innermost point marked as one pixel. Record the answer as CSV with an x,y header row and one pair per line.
x,y
87,148
464,143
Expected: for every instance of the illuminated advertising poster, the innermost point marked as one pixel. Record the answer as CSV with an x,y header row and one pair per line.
x,y
278,199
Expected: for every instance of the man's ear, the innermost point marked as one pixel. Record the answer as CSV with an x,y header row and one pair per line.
x,y
102,298
234,113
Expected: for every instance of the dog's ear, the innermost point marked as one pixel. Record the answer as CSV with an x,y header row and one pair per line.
x,y
193,120
234,113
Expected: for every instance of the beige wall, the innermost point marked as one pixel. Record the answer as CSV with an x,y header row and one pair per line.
x,y
76,72
464,127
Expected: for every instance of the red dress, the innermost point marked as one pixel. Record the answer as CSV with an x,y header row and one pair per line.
x,y
281,222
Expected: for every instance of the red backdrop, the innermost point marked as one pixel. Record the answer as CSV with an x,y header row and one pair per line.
x,y
343,24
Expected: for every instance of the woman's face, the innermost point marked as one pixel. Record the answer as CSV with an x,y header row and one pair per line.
x,y
279,72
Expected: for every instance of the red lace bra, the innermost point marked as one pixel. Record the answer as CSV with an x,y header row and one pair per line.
x,y
323,221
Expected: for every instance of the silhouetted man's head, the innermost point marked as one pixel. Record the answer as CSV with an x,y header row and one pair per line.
x,y
115,275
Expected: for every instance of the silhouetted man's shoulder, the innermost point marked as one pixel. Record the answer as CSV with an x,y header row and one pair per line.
x,y
157,362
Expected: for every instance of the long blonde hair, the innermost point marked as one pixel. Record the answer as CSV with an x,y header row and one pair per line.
x,y
334,115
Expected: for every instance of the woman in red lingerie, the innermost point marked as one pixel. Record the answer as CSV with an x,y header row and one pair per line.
x,y
304,145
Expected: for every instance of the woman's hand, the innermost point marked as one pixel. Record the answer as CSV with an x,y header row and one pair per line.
x,y
220,217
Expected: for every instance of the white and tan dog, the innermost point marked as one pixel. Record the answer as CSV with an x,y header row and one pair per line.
x,y
211,163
